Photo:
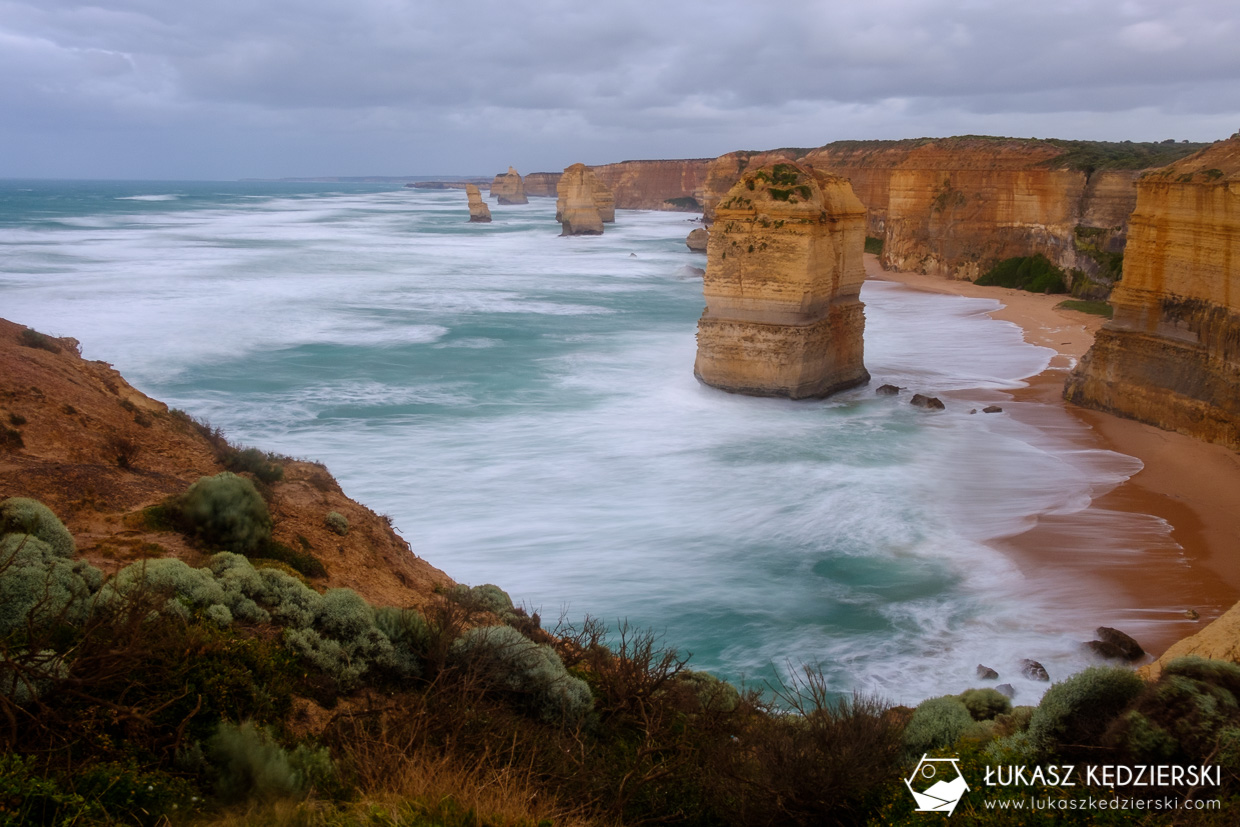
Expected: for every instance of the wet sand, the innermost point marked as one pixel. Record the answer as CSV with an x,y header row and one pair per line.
x,y
1190,484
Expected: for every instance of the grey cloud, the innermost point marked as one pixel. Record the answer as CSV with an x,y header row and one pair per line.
x,y
557,79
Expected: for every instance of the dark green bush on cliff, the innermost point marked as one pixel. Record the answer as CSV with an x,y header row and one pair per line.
x,y
1078,710
1191,715
226,511
1035,274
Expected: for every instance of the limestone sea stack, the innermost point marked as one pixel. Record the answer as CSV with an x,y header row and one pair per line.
x,y
479,212
1171,354
605,200
577,206
783,275
507,187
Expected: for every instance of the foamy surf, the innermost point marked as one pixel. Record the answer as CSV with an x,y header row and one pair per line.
x,y
523,406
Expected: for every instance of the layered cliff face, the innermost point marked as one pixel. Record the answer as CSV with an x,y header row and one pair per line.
x,y
723,173
956,206
655,185
1171,354
577,205
508,188
479,212
542,184
605,201
782,280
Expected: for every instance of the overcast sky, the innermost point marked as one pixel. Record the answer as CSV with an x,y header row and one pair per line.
x,y
222,89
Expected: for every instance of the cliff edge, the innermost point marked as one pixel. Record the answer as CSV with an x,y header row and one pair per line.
x,y
80,439
1170,357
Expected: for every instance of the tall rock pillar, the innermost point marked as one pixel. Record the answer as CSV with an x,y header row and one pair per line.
x,y
783,276
577,205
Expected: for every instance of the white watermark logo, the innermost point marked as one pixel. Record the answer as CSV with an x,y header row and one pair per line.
x,y
937,785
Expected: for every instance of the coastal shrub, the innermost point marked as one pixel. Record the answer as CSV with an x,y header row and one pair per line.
x,y
709,692
187,588
299,561
1078,710
25,676
248,763
40,341
263,465
508,661
485,598
1035,274
1192,711
39,587
410,635
102,793
344,642
985,704
20,515
226,511
936,723
337,522
290,601
11,439
874,245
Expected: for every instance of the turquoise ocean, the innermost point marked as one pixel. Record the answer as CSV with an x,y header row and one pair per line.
x,y
523,406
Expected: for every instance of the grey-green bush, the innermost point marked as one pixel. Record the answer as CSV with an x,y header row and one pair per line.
x,y
936,723
711,693
487,597
226,511
512,662
1079,709
344,642
20,515
337,522
409,634
39,586
249,764
985,704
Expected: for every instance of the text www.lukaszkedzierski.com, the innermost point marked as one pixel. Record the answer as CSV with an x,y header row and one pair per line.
x,y
1167,803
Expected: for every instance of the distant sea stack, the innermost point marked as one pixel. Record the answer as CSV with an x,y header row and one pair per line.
x,y
783,275
577,208
479,212
507,187
1171,355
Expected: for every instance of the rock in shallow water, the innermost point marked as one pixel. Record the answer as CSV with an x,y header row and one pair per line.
x,y
1033,670
930,403
986,673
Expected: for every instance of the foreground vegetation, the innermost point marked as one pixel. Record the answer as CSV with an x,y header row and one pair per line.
x,y
235,693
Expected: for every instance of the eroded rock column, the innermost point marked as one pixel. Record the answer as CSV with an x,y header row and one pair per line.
x,y
577,205
783,276
479,212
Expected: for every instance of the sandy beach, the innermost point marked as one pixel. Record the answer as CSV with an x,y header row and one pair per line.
x,y
1190,484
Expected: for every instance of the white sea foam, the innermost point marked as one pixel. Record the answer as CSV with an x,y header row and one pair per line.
x,y
524,406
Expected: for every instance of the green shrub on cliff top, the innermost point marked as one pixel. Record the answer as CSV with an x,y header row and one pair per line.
x,y
226,511
1078,710
507,660
936,723
19,515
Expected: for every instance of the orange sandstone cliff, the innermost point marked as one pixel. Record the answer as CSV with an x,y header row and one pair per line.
x,y
782,280
655,185
1171,354
79,438
542,184
508,188
956,206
